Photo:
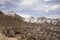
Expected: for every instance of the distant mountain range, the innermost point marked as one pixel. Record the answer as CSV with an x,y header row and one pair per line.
x,y
32,19
42,20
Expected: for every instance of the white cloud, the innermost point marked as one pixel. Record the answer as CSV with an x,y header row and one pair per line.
x,y
52,7
53,16
24,15
56,6
2,7
47,8
47,0
29,2
42,8
3,1
34,5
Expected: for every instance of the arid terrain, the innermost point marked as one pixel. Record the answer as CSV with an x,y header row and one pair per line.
x,y
15,28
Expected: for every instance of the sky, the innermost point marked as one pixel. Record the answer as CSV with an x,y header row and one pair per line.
x,y
35,8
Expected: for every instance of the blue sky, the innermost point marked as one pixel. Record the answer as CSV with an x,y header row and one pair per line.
x,y
36,8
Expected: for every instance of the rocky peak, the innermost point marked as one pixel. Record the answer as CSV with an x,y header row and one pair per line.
x,y
1,13
11,13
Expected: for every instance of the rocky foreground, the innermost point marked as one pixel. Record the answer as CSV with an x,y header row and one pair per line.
x,y
42,32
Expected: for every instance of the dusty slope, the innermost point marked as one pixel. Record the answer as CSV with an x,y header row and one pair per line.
x,y
13,28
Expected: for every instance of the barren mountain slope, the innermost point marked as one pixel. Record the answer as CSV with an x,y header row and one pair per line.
x,y
15,27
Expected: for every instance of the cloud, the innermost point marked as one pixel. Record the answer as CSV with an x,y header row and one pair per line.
x,y
37,5
2,7
47,8
53,16
56,6
47,0
3,1
29,2
25,16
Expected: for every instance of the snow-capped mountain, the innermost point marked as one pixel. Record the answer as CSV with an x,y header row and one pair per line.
x,y
30,19
41,20
55,21
10,13
35,20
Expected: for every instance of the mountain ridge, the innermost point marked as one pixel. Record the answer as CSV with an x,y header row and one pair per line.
x,y
6,20
32,19
41,20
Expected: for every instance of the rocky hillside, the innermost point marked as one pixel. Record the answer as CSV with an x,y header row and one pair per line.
x,y
8,21
14,27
